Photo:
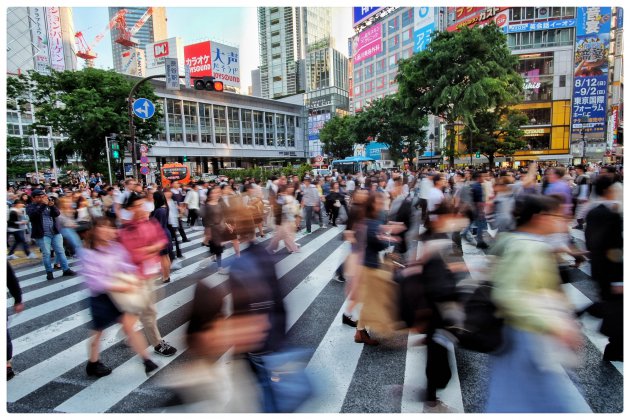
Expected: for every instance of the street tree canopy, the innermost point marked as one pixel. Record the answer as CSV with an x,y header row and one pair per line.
x,y
459,75
337,137
86,105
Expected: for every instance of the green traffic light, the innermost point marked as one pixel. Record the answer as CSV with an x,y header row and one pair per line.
x,y
115,154
185,158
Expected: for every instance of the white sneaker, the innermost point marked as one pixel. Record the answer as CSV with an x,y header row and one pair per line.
x,y
32,256
224,270
12,257
176,265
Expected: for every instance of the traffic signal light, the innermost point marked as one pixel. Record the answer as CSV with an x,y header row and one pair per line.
x,y
115,150
478,155
185,158
209,83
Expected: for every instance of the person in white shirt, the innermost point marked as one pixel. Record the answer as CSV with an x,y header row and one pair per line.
x,y
120,199
435,195
173,219
192,203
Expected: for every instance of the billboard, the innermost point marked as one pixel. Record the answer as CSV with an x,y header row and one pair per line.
x,y
361,14
541,26
590,84
368,43
39,36
482,17
423,26
198,57
461,13
226,64
156,52
55,39
133,62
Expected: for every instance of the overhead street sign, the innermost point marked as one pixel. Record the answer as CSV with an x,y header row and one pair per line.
x,y
144,170
143,108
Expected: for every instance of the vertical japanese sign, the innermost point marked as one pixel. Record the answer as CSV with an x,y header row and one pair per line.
x,y
225,64
39,35
55,39
368,43
423,26
172,73
133,62
590,85
198,57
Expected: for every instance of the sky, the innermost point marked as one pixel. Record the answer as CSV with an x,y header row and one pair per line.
x,y
235,26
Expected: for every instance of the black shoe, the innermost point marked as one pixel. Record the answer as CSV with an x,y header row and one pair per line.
x,y
482,245
49,275
165,349
168,280
346,320
186,240
578,227
68,273
97,369
340,279
149,367
10,373
57,267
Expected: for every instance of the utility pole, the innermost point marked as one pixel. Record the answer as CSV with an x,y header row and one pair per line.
x,y
52,152
109,166
35,155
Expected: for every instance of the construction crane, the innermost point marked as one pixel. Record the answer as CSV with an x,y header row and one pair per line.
x,y
126,36
86,51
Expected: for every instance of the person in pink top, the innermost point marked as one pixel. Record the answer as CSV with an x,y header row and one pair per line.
x,y
144,239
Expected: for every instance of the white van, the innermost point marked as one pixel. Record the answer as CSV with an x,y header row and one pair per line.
x,y
321,172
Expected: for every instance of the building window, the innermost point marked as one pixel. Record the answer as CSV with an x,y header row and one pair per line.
x,y
383,50
539,116
380,66
407,17
380,82
175,122
290,131
562,82
205,121
13,129
280,130
357,90
393,25
248,134
190,119
259,129
394,43
220,124
393,60
368,87
407,36
392,78
369,71
235,125
540,142
270,128
358,75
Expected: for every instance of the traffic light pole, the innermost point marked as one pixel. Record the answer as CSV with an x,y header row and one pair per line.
x,y
109,166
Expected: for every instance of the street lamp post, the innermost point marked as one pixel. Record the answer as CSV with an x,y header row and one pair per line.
x,y
432,139
35,155
471,147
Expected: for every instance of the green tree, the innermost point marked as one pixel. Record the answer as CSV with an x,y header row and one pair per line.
x,y
18,161
458,75
86,105
386,121
337,136
498,132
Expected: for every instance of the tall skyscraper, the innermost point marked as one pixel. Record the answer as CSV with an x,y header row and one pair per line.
x,y
153,30
284,34
41,39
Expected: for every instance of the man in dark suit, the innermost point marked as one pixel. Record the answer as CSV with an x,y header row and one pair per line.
x,y
604,240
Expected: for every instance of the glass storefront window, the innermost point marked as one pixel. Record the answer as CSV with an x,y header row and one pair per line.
x,y
538,89
248,135
205,121
220,125
290,131
259,129
175,121
541,116
280,130
541,142
235,125
270,128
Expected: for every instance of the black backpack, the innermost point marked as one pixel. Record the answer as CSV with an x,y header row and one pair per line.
x,y
483,329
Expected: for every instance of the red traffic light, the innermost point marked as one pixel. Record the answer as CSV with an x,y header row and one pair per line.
x,y
209,83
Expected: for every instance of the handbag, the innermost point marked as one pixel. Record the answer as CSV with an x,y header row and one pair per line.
x,y
289,383
132,302
337,203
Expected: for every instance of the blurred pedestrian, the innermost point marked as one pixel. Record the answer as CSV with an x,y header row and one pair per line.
x,y
18,306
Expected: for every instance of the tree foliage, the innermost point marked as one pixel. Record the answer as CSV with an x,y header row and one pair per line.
x,y
338,137
459,75
498,132
86,106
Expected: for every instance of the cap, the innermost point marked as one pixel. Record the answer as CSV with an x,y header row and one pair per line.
x,y
37,193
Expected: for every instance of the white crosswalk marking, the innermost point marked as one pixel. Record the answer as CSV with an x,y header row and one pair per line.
x,y
334,364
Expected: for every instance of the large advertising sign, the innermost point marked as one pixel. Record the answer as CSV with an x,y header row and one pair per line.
x,y
198,57
55,39
39,35
363,13
133,62
423,26
590,84
226,64
461,13
482,17
156,52
368,43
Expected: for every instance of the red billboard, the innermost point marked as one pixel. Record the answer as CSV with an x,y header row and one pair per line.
x,y
481,17
199,58
460,13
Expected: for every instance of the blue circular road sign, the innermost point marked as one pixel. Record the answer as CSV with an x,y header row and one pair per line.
x,y
143,108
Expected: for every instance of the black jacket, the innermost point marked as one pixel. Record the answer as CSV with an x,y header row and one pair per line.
x,y
35,212
13,285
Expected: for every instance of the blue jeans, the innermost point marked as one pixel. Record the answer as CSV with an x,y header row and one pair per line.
x,y
263,379
73,239
308,216
19,240
56,242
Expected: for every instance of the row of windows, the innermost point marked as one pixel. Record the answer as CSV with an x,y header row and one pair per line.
x,y
230,125
531,13
541,39
381,66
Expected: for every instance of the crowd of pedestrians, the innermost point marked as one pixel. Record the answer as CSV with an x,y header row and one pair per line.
x,y
397,224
